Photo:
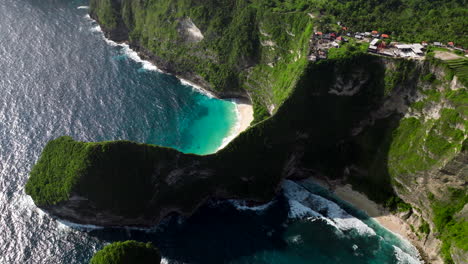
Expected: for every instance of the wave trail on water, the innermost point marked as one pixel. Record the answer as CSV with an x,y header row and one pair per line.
x,y
303,203
243,206
404,258
146,65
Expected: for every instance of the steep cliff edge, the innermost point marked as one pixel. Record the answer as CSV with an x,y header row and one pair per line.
x,y
232,48
392,128
386,126
417,141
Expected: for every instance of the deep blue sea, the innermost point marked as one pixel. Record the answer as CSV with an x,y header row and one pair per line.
x,y
59,76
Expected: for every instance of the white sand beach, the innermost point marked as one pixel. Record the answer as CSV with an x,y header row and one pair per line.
x,y
245,115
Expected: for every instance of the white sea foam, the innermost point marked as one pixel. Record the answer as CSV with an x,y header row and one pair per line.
x,y
134,56
305,204
83,7
242,205
196,87
63,224
342,219
297,239
125,49
405,258
298,210
147,65
234,131
96,28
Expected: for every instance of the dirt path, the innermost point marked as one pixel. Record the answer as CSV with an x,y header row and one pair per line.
x,y
445,55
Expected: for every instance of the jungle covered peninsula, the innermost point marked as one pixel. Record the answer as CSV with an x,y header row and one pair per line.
x,y
395,129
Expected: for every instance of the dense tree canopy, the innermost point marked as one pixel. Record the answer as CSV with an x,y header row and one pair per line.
x,y
127,252
410,20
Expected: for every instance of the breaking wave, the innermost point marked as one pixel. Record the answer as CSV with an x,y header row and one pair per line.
x,y
304,204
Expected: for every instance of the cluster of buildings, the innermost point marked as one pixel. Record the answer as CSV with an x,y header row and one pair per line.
x,y
414,50
378,44
321,42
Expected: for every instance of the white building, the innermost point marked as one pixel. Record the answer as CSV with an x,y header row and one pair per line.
x,y
374,42
372,48
410,50
417,49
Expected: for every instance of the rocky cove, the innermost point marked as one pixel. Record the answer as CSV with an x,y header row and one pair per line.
x,y
314,128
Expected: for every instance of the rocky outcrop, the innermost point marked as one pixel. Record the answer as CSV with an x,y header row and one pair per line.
x,y
128,184
222,46
366,119
420,153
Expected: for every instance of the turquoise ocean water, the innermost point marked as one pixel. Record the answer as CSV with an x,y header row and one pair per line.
x,y
58,76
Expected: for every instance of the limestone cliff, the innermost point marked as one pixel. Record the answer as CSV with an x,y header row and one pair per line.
x,y
416,142
232,48
392,128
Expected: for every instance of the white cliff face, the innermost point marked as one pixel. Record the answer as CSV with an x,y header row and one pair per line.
x,y
190,31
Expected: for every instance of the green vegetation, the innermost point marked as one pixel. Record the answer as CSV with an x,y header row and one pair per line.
x,y
418,145
424,228
395,204
348,50
398,75
456,67
259,47
460,68
248,45
407,20
452,231
114,171
127,252
430,77
106,12
61,165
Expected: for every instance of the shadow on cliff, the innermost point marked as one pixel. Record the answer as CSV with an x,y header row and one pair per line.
x,y
350,95
315,128
216,233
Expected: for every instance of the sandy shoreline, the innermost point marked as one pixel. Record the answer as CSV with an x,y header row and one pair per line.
x,y
244,115
244,112
244,108
377,212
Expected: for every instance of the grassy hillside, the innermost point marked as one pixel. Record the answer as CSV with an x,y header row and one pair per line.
x,y
407,20
247,46
110,172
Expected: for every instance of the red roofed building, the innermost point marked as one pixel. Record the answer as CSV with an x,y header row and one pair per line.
x,y
332,35
382,45
319,33
339,38
375,32
344,28
385,36
450,43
